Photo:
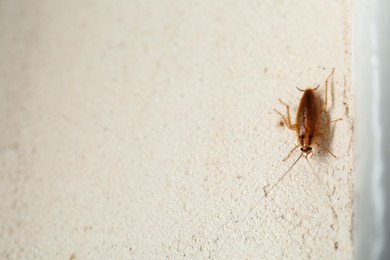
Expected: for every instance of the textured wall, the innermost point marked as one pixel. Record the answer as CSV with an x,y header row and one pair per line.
x,y
146,130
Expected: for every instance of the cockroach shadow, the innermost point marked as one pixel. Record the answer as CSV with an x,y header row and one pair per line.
x,y
327,124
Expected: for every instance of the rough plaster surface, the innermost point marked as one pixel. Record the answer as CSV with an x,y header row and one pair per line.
x,y
145,130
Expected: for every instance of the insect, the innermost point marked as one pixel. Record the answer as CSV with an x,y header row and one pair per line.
x,y
307,125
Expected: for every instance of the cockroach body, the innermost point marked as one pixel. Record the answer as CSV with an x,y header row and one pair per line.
x,y
308,117
307,123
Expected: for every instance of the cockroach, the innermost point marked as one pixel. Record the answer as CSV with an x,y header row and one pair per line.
x,y
307,124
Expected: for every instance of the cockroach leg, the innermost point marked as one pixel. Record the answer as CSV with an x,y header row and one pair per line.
x,y
326,150
326,91
282,116
334,121
291,152
288,120
327,125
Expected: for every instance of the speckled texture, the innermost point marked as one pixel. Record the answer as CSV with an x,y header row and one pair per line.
x,y
145,130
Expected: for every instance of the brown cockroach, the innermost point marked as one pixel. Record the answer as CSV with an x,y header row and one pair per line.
x,y
307,124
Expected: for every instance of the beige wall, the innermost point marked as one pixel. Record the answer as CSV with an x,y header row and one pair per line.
x,y
146,130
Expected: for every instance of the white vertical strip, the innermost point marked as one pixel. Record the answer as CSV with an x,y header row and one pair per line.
x,y
377,167
371,58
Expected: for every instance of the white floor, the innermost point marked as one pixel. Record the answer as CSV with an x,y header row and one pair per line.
x,y
146,130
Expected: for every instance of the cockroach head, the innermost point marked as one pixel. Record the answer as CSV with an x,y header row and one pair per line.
x,y
306,149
